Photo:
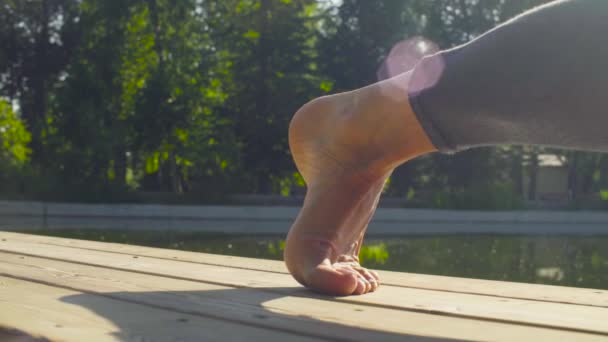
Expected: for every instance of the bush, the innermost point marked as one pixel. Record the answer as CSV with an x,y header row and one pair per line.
x,y
14,153
498,196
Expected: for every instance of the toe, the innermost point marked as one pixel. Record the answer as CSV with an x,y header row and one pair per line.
x,y
375,275
369,278
362,287
327,280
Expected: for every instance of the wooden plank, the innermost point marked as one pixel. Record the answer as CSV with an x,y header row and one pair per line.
x,y
240,306
310,314
558,315
538,292
510,290
62,314
160,253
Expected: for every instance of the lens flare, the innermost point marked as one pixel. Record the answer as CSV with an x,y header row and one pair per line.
x,y
404,56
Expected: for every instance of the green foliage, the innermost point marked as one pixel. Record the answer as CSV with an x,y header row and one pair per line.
x,y
373,255
268,50
498,196
14,150
195,97
14,137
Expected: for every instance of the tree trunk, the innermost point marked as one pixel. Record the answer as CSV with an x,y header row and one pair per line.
x,y
261,103
174,177
517,170
573,184
120,166
590,166
39,83
603,168
157,39
533,173
160,174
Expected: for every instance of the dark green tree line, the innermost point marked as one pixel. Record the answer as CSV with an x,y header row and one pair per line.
x,y
195,96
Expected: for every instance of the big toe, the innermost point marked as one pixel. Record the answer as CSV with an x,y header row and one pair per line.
x,y
337,282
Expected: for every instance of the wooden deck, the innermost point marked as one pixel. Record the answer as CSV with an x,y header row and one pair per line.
x,y
73,290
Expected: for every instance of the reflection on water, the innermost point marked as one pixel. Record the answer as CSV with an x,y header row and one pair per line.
x,y
561,260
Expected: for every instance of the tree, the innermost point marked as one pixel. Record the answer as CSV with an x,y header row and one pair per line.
x,y
196,96
36,48
14,153
268,49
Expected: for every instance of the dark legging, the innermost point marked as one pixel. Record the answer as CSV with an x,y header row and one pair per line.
x,y
540,78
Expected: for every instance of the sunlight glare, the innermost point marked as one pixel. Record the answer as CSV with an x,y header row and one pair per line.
x,y
404,55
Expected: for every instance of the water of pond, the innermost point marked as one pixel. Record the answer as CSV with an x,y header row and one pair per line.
x,y
559,260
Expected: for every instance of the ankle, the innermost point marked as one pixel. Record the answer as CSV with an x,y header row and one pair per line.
x,y
404,137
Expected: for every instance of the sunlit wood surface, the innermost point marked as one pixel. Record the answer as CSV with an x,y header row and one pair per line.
x,y
74,290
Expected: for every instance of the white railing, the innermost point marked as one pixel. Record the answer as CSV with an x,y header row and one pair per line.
x,y
23,216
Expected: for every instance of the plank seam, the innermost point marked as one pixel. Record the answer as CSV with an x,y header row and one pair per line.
x,y
486,319
177,310
162,258
341,300
286,273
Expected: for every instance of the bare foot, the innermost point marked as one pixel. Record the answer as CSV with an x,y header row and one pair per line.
x,y
345,146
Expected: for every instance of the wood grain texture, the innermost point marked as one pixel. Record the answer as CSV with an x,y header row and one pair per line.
x,y
508,290
61,314
310,315
259,296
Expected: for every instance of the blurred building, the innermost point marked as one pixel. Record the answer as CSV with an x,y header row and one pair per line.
x,y
551,180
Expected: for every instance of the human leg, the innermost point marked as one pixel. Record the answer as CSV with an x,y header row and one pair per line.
x,y
538,79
